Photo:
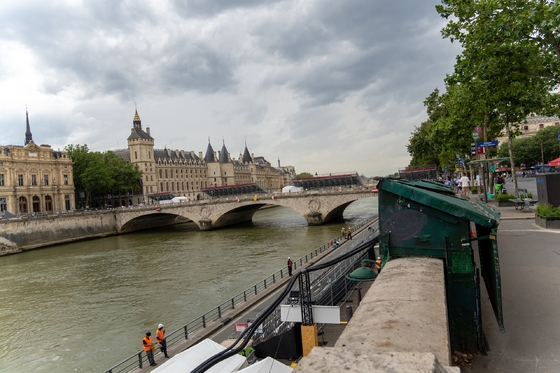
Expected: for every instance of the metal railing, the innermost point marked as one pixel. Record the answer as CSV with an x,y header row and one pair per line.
x,y
181,334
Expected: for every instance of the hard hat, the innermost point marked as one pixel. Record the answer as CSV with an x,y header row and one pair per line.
x,y
288,257
148,333
160,326
378,257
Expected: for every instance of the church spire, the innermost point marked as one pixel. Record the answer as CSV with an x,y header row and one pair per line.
x,y
136,122
28,135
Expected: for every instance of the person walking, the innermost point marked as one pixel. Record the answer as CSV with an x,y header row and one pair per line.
x,y
350,233
342,233
465,184
290,263
160,338
148,348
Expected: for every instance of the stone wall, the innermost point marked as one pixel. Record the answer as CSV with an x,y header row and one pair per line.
x,y
28,233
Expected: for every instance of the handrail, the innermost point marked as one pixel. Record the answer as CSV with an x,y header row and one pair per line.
x,y
182,333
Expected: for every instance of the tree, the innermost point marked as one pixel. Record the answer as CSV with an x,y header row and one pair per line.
x,y
528,151
97,174
515,62
304,175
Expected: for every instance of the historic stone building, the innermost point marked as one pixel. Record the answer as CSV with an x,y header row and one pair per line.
x,y
34,178
532,125
184,173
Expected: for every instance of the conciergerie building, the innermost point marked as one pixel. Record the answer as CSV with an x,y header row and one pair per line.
x,y
34,178
185,173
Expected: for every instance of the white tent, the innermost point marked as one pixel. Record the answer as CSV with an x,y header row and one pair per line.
x,y
268,365
291,189
189,359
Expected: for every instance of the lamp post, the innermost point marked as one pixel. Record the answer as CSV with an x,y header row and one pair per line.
x,y
542,154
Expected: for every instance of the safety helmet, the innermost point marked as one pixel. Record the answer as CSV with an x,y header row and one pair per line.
x,y
378,258
160,326
148,333
288,257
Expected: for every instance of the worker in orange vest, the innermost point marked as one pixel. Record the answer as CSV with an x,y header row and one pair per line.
x,y
160,338
148,348
378,264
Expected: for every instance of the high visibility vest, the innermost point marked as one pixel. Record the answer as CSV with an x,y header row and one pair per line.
x,y
378,264
160,335
147,341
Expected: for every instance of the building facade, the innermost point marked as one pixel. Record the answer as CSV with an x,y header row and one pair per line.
x,y
532,125
185,173
35,178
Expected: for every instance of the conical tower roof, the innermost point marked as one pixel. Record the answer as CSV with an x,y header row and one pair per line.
x,y
224,154
246,156
209,157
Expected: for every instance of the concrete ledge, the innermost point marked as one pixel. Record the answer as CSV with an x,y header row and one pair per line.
x,y
405,310
350,360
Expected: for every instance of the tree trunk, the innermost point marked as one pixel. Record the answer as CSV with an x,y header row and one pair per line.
x,y
511,159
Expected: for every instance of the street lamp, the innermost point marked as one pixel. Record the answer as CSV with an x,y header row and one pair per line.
x,y
542,153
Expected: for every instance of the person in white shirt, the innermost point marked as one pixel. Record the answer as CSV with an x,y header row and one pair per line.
x,y
465,184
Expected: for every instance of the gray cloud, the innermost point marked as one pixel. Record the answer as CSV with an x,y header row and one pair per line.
x,y
293,76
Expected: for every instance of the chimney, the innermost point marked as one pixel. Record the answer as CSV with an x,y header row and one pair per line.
x,y
229,157
148,130
253,157
199,155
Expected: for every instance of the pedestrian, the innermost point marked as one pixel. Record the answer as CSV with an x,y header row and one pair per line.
x,y
343,233
160,338
477,183
465,184
290,263
349,233
148,348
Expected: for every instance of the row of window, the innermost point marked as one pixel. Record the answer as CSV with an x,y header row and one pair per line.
x,y
541,126
179,186
171,173
36,205
21,180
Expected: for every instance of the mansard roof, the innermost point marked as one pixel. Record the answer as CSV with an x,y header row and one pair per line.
x,y
224,154
175,155
209,157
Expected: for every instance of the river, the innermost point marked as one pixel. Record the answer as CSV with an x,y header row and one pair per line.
x,y
85,306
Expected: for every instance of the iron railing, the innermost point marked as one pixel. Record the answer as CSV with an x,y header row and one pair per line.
x,y
181,334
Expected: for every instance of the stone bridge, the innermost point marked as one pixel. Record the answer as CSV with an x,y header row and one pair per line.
x,y
316,207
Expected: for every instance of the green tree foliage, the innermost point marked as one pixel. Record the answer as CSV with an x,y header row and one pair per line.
x,y
304,175
511,58
97,173
528,151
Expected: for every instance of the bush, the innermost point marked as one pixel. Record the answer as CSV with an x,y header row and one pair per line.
x,y
474,189
548,212
503,197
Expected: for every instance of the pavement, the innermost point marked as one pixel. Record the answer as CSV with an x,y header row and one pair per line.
x,y
530,272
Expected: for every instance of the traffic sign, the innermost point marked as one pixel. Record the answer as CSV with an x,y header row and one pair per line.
x,y
475,135
488,143
559,137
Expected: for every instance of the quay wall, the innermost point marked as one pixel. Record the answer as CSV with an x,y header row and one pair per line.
x,y
26,233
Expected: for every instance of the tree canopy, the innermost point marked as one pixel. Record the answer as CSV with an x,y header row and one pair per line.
x,y
97,173
507,71
304,175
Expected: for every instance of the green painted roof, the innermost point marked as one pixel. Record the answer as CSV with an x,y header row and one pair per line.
x,y
442,198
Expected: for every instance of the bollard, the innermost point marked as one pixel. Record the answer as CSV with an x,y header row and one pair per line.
x,y
348,313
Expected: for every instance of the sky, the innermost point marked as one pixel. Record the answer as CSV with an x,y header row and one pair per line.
x,y
326,86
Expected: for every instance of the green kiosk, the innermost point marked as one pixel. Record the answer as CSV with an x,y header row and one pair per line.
x,y
425,218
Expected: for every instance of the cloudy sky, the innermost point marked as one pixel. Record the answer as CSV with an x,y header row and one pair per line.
x,y
327,86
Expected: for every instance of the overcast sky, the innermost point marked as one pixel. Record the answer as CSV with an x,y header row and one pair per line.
x,y
327,86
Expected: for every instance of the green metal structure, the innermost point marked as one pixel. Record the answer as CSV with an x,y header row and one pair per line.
x,y
426,219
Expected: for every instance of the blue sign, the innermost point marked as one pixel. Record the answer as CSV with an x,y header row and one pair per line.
x,y
460,162
559,137
488,143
